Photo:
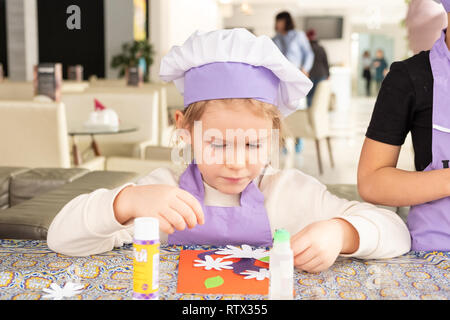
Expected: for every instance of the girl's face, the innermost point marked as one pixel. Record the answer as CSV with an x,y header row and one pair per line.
x,y
231,144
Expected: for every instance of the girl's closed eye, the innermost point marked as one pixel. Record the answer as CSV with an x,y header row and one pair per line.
x,y
217,145
254,145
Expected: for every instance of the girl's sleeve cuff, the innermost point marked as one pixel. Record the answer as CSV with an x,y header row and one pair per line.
x,y
103,220
368,236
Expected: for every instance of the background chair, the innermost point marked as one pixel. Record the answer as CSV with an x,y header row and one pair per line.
x,y
313,123
33,134
133,106
169,99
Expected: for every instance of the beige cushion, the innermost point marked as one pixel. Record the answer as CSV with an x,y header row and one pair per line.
x,y
33,134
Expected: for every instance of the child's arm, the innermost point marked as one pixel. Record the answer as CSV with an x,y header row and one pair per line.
x,y
325,226
402,106
86,225
173,207
348,228
380,182
97,222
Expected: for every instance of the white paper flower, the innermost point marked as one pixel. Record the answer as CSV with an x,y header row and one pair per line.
x,y
258,275
210,263
57,293
244,252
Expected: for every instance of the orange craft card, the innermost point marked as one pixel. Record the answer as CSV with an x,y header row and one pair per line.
x,y
193,279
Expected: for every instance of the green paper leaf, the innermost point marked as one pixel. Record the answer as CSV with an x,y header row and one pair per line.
x,y
265,259
214,282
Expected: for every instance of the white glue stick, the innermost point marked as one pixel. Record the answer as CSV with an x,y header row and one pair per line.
x,y
281,267
146,259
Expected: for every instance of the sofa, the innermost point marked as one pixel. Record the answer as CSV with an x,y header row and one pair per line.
x,y
31,197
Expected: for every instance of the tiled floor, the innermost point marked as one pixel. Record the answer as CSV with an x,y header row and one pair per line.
x,y
348,129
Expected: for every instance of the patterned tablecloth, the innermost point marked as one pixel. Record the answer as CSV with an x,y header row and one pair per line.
x,y
27,267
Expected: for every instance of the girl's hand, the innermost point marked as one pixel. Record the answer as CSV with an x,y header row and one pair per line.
x,y
175,208
317,246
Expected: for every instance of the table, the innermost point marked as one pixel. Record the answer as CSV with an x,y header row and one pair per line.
x,y
28,266
83,131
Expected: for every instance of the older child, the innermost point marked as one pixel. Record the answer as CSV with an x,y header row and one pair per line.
x,y
414,97
236,89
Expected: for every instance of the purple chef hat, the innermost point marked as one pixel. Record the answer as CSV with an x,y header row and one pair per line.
x,y
234,63
221,80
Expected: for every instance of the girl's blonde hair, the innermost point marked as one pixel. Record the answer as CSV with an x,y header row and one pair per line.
x,y
195,111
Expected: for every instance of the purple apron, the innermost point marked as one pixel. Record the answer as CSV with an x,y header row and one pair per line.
x,y
247,224
429,223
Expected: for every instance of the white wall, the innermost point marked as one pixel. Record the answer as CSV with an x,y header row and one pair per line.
x,y
173,21
261,21
187,16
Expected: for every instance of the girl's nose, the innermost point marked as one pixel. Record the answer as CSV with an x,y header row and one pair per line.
x,y
236,160
235,165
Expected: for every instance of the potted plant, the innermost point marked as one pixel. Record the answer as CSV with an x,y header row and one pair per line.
x,y
134,54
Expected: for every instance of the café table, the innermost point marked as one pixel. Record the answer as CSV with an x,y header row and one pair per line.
x,y
86,131
29,266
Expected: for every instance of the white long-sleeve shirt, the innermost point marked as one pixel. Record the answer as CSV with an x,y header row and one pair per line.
x,y
87,224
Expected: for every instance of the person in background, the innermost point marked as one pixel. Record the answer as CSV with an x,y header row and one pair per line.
x,y
367,74
320,70
380,65
295,47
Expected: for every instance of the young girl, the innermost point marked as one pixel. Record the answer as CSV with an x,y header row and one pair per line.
x,y
414,97
236,88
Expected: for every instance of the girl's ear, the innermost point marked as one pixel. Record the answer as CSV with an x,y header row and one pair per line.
x,y
182,132
179,119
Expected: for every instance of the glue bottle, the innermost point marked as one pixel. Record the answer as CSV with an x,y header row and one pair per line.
x,y
281,267
146,259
